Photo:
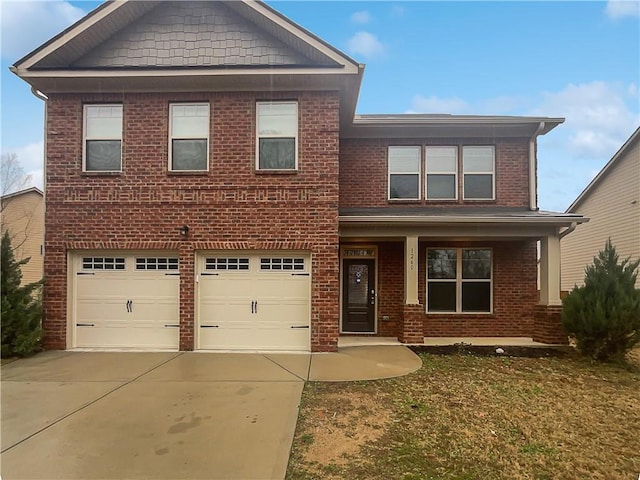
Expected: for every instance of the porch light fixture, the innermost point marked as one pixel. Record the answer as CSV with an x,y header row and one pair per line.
x,y
184,231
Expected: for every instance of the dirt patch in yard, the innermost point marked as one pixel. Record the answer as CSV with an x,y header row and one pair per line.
x,y
342,425
466,416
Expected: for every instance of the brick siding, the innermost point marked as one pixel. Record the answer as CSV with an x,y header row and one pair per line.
x,y
230,206
515,295
363,172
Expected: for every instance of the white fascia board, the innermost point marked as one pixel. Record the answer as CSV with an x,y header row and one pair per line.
x,y
458,219
350,66
79,28
176,72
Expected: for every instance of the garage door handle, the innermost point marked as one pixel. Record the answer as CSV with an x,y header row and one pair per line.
x,y
172,274
209,326
300,274
86,273
171,325
299,326
209,273
85,325
129,306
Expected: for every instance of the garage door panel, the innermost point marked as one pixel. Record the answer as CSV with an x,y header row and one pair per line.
x,y
111,336
127,308
254,309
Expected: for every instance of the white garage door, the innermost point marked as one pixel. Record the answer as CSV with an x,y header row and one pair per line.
x,y
254,301
127,301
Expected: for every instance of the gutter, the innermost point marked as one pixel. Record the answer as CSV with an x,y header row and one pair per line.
x,y
566,232
459,220
533,170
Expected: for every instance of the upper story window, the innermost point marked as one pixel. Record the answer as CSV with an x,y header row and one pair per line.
x,y
189,137
277,132
404,173
102,142
478,165
441,167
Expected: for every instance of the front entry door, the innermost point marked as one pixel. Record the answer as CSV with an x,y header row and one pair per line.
x,y
358,296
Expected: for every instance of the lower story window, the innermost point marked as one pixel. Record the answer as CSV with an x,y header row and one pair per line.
x,y
459,280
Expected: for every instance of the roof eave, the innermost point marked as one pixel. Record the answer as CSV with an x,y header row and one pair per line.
x,y
456,220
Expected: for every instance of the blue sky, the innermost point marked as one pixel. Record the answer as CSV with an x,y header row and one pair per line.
x,y
579,60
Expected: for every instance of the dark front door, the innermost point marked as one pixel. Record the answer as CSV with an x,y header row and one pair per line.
x,y
358,296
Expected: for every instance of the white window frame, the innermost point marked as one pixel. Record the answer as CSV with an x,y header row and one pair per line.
x,y
389,173
427,174
459,281
194,137
492,172
258,136
86,138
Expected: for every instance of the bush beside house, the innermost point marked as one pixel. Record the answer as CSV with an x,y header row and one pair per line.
x,y
603,316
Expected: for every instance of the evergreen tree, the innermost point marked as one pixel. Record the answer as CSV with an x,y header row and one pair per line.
x,y
604,314
21,306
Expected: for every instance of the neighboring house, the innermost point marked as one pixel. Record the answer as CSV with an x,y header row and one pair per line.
x,y
23,218
612,202
209,186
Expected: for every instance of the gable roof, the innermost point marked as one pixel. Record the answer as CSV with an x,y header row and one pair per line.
x,y
22,192
90,55
605,170
112,17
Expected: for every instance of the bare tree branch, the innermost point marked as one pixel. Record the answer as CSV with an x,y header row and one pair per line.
x,y
12,176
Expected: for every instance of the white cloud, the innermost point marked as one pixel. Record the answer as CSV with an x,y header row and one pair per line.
x,y
397,11
361,17
622,8
599,115
27,24
31,159
366,44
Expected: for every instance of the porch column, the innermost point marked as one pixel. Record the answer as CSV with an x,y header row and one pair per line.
x,y
411,271
550,270
547,322
412,315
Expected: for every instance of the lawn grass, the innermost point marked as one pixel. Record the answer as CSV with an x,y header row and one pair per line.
x,y
474,417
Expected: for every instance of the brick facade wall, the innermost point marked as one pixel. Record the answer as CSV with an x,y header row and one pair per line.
x,y
548,325
515,295
230,206
363,172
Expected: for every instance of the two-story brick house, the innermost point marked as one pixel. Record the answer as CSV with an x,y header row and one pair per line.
x,y
209,186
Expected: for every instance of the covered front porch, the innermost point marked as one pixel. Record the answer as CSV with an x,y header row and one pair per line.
x,y
444,275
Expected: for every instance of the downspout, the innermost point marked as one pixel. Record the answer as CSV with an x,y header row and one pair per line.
x,y
566,232
533,169
38,94
44,98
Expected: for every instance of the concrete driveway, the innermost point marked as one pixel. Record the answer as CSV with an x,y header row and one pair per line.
x,y
74,415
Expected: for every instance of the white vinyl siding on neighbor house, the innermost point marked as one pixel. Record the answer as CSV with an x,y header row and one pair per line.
x,y
189,137
459,280
613,207
277,135
102,138
478,167
441,167
404,173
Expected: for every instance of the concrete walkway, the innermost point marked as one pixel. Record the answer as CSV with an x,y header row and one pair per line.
x,y
99,415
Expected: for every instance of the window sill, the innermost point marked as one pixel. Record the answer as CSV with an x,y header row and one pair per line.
x,y
404,200
203,173
102,174
466,314
276,172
